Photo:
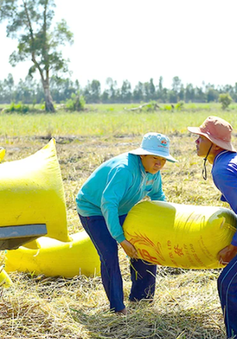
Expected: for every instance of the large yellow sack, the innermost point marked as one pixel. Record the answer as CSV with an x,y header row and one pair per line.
x,y
182,236
54,258
5,280
31,192
2,153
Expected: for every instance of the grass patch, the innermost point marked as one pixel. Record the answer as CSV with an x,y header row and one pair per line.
x,y
103,124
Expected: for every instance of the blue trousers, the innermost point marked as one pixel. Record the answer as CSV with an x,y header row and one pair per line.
x,y
143,275
227,289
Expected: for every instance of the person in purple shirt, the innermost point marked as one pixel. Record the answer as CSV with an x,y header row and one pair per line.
x,y
214,145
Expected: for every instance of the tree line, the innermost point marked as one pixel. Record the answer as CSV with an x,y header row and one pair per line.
x,y
30,91
31,23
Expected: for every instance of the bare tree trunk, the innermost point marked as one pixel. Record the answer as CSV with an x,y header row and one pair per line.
x,y
49,107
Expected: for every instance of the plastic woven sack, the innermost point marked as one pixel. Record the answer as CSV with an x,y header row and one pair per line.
x,y
31,192
176,235
57,258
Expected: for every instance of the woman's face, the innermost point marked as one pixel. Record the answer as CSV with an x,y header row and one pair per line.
x,y
152,163
202,146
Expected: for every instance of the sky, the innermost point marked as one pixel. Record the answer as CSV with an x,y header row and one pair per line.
x,y
137,40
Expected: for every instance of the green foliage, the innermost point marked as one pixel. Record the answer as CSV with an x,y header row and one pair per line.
x,y
151,106
212,94
30,22
168,108
179,105
100,122
30,91
76,103
18,108
225,100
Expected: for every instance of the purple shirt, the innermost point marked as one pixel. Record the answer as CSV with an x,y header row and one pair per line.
x,y
224,174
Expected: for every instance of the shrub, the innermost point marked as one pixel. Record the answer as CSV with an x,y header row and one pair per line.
x,y
179,105
151,106
75,103
168,107
19,108
225,100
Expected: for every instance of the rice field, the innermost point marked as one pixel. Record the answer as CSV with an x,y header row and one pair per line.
x,y
186,304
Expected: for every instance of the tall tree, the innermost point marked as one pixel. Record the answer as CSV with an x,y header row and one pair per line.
x,y
126,93
112,90
9,85
159,92
92,91
189,93
138,93
176,84
30,22
149,90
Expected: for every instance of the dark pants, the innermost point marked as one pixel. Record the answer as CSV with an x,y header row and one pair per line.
x,y
227,289
143,275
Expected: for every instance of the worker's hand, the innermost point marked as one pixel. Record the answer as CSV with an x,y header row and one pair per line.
x,y
227,254
129,249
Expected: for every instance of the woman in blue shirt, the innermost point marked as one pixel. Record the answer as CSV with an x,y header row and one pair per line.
x,y
214,144
103,203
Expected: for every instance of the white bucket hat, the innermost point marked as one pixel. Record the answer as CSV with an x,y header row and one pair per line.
x,y
155,144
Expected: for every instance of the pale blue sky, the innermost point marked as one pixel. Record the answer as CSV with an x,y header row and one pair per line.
x,y
138,40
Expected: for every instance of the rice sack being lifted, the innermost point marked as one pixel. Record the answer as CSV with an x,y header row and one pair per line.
x,y
176,235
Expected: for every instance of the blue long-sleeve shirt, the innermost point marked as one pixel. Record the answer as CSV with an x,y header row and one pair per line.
x,y
115,187
224,174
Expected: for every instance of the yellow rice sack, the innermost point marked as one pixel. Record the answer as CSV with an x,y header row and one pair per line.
x,y
56,258
5,280
2,153
31,192
176,235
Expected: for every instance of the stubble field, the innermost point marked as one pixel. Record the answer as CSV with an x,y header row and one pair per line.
x,y
186,303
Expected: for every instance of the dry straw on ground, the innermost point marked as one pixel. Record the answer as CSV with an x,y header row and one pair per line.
x,y
186,304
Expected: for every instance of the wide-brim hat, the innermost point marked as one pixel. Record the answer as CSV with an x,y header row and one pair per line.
x,y
154,144
217,130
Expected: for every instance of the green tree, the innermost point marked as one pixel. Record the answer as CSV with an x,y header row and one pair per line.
x,y
189,93
9,85
62,89
211,93
172,96
92,91
149,90
176,84
174,93
199,95
225,100
160,90
160,86
138,92
126,93
113,91
26,91
181,94
105,96
30,22
76,102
